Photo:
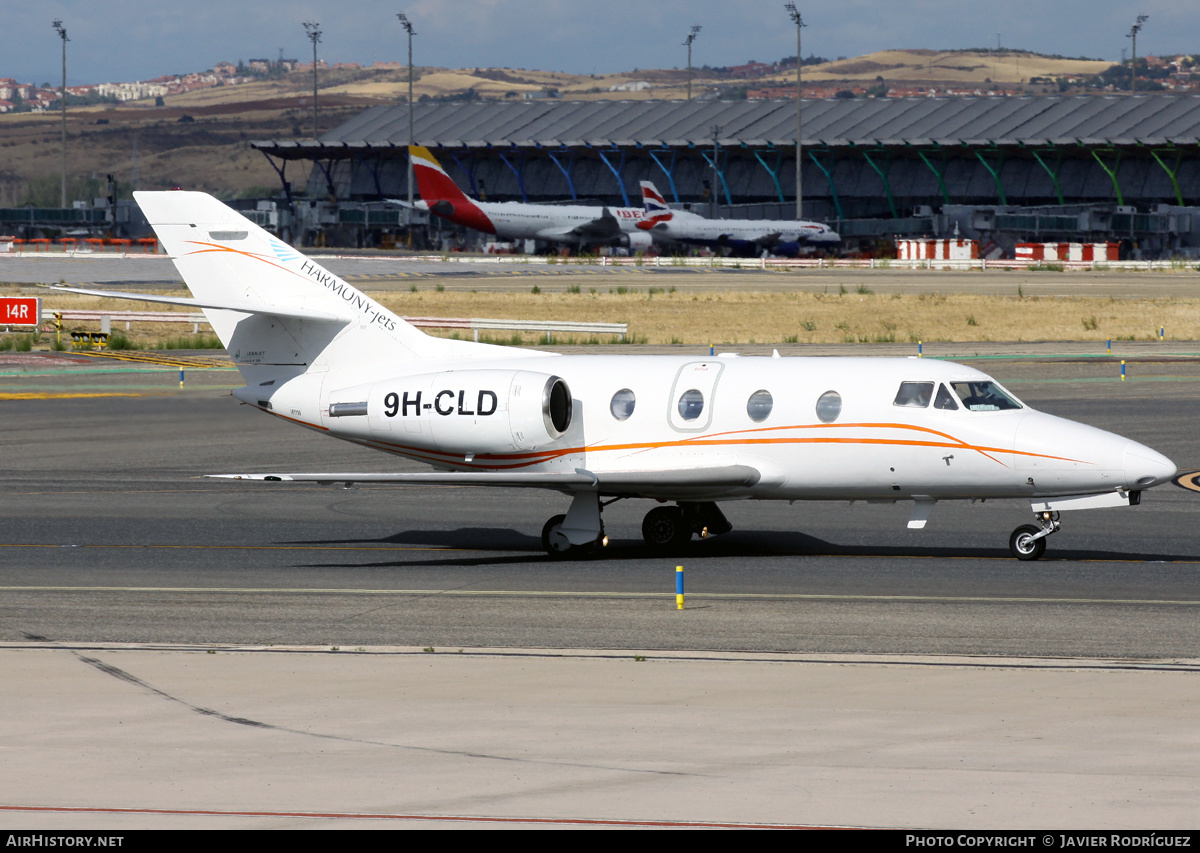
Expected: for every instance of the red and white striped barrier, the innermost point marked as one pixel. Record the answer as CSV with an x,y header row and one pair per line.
x,y
1088,252
937,250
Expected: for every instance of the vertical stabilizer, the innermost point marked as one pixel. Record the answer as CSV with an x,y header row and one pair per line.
x,y
442,195
285,310
655,206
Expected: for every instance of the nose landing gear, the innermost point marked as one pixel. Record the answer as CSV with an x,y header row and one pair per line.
x,y
1028,542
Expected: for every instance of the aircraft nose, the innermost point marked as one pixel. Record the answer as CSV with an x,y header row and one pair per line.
x,y
1145,467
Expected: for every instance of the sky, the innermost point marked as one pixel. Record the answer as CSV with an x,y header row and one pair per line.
x,y
125,40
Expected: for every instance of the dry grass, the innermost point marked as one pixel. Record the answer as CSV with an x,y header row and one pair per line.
x,y
946,67
741,317
749,317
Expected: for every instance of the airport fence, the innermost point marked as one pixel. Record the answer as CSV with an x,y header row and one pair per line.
x,y
472,324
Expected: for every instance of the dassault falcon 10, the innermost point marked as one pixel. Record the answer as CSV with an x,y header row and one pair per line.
x,y
570,224
689,432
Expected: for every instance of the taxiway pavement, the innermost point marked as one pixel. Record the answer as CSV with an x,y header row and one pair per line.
x,y
221,648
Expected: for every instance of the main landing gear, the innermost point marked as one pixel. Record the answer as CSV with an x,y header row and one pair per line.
x,y
667,527
664,528
1028,542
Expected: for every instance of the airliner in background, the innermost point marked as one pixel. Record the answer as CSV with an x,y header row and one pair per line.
x,y
568,224
738,236
687,431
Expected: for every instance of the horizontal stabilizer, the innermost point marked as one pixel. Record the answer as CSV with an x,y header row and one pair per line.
x,y
514,479
243,307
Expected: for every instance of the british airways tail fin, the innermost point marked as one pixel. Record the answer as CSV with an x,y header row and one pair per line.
x,y
654,205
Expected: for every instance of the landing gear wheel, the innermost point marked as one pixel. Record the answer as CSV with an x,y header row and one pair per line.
x,y
1024,546
555,546
665,527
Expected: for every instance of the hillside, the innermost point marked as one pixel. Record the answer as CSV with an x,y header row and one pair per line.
x,y
157,147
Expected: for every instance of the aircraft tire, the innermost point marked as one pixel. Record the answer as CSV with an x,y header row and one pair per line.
x,y
1023,547
547,529
665,527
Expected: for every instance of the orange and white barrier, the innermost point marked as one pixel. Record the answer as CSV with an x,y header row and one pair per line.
x,y
937,250
1067,252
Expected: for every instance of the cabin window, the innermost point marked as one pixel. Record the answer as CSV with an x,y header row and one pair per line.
x,y
983,396
829,407
622,404
914,395
944,399
691,404
758,407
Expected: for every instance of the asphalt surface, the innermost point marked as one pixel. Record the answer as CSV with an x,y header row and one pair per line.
x,y
483,274
111,535
187,653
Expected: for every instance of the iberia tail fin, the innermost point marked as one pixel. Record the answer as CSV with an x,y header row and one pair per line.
x,y
442,195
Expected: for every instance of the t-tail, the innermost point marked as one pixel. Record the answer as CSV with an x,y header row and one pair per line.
x,y
442,195
279,314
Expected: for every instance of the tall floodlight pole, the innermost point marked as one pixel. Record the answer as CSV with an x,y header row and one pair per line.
x,y
691,37
62,34
1132,34
313,29
799,22
412,139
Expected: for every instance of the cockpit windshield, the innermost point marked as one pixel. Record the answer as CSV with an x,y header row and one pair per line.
x,y
915,395
983,397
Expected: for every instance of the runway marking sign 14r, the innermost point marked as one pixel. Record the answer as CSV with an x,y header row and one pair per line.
x,y
20,310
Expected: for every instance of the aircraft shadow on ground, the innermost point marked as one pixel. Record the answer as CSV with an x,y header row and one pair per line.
x,y
737,545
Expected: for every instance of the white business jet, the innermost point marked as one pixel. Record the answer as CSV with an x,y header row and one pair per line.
x,y
570,224
686,431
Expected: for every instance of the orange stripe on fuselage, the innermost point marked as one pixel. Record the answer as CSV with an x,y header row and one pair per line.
x,y
525,460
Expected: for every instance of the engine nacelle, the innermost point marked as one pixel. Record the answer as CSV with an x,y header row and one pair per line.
x,y
457,411
639,241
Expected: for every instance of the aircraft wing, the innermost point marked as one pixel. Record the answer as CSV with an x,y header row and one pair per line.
x,y
669,484
603,227
244,308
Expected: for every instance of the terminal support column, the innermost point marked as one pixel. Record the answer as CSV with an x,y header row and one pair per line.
x,y
670,173
939,175
1171,173
616,170
517,171
772,172
828,173
882,173
469,172
716,167
1053,173
566,171
995,173
1112,173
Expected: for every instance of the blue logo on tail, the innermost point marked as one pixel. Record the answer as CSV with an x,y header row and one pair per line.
x,y
284,252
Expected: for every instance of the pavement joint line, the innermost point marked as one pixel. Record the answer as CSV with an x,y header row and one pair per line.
x,y
877,659
416,818
73,395
708,596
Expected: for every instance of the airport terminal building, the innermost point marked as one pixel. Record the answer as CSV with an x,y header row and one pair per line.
x,y
1078,166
